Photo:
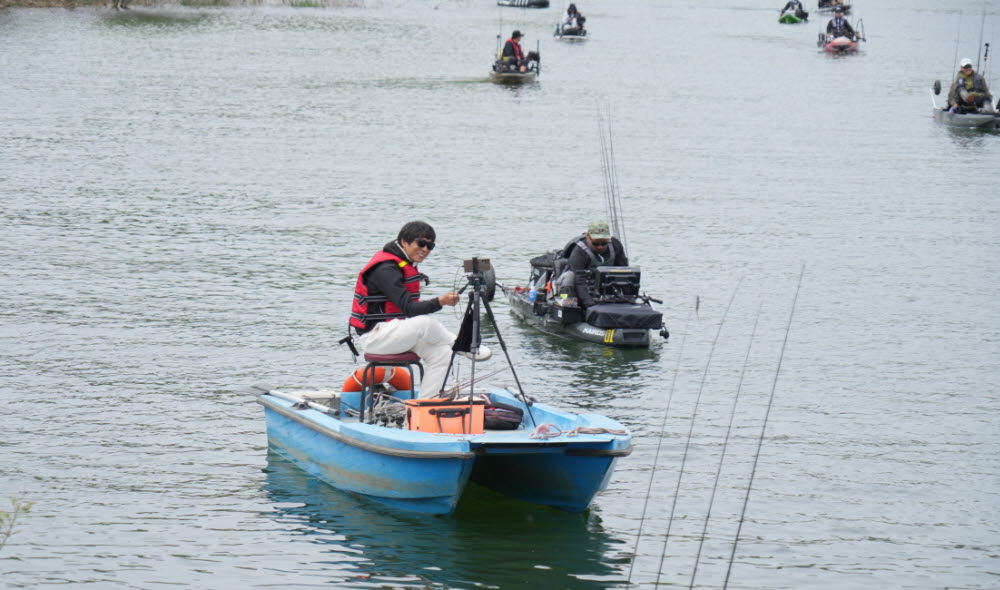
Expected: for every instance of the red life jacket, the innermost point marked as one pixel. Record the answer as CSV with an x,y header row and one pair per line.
x,y
518,52
360,317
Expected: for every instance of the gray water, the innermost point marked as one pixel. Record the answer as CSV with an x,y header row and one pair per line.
x,y
188,193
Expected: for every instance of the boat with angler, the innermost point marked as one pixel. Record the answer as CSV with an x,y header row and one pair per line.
x,y
572,27
506,73
842,41
829,6
985,119
375,438
621,316
967,105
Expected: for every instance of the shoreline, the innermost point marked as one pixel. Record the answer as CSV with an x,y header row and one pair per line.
x,y
71,4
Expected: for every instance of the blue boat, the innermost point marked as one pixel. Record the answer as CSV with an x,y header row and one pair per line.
x,y
384,443
552,457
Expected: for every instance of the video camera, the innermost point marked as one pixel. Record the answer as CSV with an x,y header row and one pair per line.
x,y
476,265
481,276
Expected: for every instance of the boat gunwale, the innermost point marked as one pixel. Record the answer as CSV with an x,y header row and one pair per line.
x,y
366,446
478,447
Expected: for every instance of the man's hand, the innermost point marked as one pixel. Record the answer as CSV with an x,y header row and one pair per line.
x,y
449,298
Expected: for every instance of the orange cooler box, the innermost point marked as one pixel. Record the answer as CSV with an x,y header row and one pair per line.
x,y
445,416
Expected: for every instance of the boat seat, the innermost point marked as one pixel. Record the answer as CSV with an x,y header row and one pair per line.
x,y
407,360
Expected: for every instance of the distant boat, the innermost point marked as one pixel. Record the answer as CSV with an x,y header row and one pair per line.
x,y
524,3
978,120
831,44
504,73
833,5
579,35
840,44
789,19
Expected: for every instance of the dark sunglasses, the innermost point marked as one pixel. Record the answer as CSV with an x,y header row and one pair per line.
x,y
425,243
600,243
966,67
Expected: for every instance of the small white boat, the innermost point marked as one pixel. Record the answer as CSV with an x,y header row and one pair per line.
x,y
579,35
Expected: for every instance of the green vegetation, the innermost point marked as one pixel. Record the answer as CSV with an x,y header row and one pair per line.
x,y
9,519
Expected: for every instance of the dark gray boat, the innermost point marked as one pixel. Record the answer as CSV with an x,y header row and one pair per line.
x,y
621,316
986,120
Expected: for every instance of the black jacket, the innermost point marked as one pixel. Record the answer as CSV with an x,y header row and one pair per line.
x,y
580,262
386,279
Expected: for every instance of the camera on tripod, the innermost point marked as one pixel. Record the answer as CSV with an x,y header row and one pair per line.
x,y
481,276
476,265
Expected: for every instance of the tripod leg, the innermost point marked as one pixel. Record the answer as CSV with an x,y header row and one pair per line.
x,y
503,346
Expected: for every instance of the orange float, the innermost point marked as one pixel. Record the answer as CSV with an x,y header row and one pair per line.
x,y
398,377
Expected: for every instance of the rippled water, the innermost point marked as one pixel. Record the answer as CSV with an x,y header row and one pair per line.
x,y
187,194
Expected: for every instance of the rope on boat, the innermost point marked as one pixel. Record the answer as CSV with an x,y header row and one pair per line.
x,y
549,430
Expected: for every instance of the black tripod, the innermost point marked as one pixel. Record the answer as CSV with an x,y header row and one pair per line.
x,y
470,337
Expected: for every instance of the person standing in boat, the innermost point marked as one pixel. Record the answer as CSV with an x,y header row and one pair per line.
x,y
796,7
595,248
839,27
390,316
968,93
573,21
512,54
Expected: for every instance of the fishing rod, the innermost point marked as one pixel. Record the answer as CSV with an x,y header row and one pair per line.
x,y
656,456
982,25
455,389
694,415
725,445
958,36
612,194
763,427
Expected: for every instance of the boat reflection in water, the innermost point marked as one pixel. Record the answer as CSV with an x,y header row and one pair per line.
x,y
490,541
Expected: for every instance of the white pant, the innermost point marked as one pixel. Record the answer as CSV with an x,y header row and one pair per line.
x,y
421,334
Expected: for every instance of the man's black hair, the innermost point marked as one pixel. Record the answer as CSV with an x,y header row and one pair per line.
x,y
416,229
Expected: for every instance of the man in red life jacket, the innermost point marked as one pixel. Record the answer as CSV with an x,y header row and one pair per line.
x,y
391,318
512,54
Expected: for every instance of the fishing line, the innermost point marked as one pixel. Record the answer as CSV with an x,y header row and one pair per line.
x,y
763,427
725,444
694,415
656,456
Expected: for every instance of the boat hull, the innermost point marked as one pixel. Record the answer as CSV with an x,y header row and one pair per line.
x,y
789,19
513,78
352,457
841,45
552,322
984,121
428,473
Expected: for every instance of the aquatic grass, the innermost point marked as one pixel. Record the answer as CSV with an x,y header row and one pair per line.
x,y
8,520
